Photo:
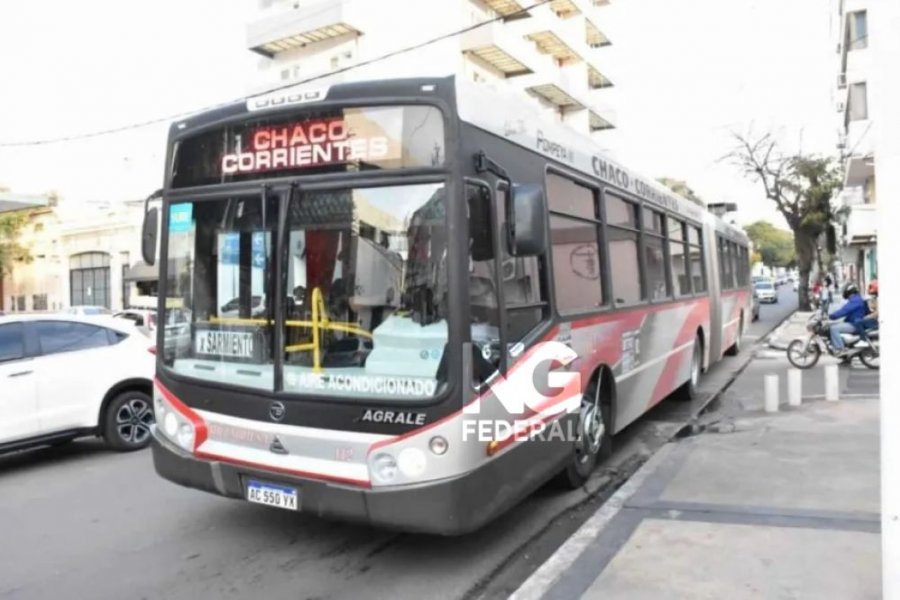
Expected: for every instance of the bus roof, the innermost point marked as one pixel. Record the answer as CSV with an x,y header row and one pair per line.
x,y
503,113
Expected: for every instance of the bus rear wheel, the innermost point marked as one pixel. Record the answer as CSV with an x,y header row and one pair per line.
x,y
736,347
688,390
594,442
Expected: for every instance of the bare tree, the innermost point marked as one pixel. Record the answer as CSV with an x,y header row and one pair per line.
x,y
801,187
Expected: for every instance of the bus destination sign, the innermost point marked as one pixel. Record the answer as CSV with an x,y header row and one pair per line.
x,y
305,144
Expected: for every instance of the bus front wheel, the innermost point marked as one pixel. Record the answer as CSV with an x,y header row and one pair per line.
x,y
594,441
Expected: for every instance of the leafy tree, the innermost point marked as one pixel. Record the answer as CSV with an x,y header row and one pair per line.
x,y
775,246
10,250
801,187
682,189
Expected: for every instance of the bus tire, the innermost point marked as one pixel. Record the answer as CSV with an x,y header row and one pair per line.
x,y
735,348
688,390
586,458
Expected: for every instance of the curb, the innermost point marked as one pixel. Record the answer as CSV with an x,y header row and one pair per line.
x,y
550,570
772,340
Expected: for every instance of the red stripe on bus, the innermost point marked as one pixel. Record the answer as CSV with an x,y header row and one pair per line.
x,y
667,379
296,473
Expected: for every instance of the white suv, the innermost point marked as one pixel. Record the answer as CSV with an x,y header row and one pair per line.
x,y
63,377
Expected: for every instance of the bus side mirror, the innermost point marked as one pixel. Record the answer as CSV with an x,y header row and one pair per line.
x,y
148,235
526,220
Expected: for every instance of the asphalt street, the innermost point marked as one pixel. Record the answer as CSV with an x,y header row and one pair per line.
x,y
79,521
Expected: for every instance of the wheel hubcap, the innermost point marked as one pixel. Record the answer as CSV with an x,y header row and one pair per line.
x,y
133,421
591,431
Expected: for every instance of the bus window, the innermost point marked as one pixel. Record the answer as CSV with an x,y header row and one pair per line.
x,y
566,197
366,279
622,233
219,279
523,285
575,243
576,264
483,304
654,255
678,257
695,260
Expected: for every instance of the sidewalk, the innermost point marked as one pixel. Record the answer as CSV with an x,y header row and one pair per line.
x,y
772,506
794,327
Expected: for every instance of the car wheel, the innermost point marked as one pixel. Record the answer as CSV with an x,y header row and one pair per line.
x,y
126,424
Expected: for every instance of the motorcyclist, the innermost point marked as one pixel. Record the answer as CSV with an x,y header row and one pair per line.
x,y
853,311
870,321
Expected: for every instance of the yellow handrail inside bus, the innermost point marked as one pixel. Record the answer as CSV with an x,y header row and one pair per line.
x,y
319,322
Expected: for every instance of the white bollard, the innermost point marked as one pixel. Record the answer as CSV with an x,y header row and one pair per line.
x,y
831,383
771,393
795,387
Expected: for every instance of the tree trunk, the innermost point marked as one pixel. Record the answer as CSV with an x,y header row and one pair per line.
x,y
805,248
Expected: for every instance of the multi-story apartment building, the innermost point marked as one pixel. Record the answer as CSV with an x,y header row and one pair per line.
x,y
858,232
553,52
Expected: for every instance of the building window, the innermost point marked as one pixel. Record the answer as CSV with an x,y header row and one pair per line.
x,y
859,32
20,304
39,302
858,109
575,242
89,279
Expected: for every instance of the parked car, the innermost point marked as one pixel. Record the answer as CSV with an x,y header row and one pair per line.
x,y
765,291
64,377
145,320
87,311
796,285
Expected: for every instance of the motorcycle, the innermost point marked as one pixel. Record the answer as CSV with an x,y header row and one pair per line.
x,y
805,353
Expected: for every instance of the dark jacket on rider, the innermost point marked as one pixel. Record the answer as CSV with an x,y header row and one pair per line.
x,y
852,311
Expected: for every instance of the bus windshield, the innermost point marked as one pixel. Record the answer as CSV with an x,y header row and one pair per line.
x,y
365,291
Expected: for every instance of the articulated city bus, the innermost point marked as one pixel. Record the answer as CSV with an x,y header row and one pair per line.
x,y
357,278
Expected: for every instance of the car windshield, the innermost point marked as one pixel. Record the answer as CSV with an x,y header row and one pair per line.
x,y
764,285
365,291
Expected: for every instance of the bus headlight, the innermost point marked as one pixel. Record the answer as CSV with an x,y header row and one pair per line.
x,y
170,425
438,445
185,437
384,467
411,462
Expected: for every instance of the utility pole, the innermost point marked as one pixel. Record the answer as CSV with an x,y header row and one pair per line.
x,y
884,47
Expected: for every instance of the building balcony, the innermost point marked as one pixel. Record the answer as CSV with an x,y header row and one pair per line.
x,y
860,165
506,53
862,225
278,31
507,8
566,91
593,36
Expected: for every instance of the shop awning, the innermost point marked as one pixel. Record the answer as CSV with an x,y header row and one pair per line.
x,y
9,202
141,271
